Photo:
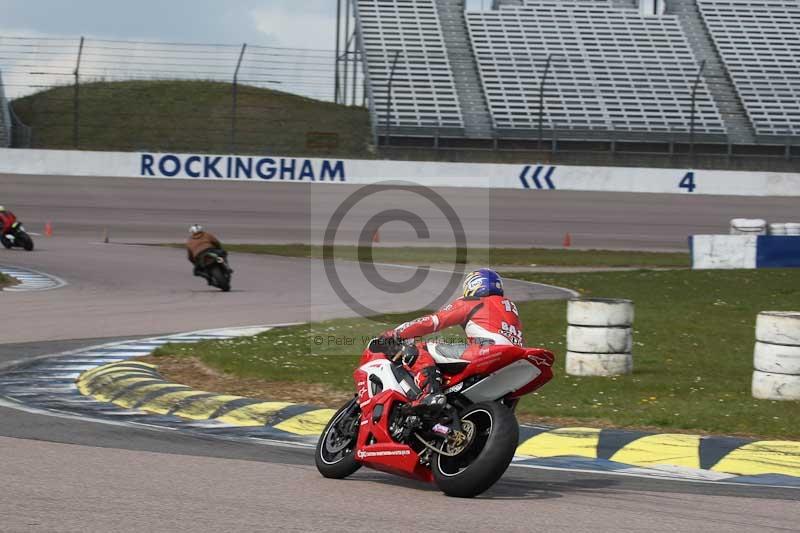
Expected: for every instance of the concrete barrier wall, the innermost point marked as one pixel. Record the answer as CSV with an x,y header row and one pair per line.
x,y
270,169
744,251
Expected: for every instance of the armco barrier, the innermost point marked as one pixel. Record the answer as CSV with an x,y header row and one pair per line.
x,y
744,251
533,178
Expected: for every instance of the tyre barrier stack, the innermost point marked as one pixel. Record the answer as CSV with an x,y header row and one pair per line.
x,y
748,226
785,228
599,337
777,356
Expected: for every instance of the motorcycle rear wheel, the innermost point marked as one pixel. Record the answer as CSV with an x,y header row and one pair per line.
x,y
7,244
221,280
335,453
486,458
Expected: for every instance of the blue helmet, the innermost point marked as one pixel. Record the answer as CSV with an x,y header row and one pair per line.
x,y
483,282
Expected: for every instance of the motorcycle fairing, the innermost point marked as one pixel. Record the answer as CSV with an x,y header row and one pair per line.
x,y
509,371
374,446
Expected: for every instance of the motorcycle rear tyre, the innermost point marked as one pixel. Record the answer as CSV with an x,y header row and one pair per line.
x,y
220,279
492,460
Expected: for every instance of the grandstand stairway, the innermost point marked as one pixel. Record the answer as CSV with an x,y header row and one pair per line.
x,y
474,109
720,85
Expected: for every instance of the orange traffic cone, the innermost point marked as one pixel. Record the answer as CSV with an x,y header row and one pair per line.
x,y
376,237
48,230
567,240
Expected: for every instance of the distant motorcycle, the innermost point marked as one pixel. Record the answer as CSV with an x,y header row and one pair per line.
x,y
215,269
17,237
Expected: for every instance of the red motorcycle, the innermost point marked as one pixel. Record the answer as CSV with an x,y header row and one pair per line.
x,y
464,447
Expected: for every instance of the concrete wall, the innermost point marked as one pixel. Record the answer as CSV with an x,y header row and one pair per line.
x,y
530,178
744,251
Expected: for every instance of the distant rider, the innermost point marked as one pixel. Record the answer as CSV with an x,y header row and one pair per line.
x,y
7,219
199,244
488,318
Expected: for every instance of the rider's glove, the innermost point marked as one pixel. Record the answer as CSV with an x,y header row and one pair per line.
x,y
388,337
410,354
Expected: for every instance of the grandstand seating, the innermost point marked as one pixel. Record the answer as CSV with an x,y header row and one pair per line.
x,y
759,41
612,69
423,90
5,118
615,74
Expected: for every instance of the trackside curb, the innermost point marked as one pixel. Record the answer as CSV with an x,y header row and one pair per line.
x,y
105,383
139,386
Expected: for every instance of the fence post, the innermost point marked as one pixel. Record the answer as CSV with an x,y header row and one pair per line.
x,y
541,99
389,99
76,105
235,98
346,76
338,43
694,108
356,49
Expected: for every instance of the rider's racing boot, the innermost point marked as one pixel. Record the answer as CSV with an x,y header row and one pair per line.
x,y
432,398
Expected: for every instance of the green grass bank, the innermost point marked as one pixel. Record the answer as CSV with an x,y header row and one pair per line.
x,y
693,345
192,116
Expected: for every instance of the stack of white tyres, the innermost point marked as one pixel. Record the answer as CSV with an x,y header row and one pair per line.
x,y
785,228
748,226
599,337
777,356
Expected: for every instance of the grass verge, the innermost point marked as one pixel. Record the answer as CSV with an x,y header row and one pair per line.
x,y
6,281
490,256
694,335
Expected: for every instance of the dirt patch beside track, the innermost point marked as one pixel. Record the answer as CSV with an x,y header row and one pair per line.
x,y
194,373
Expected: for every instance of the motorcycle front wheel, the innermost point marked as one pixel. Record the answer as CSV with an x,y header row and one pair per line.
x,y
485,458
25,240
335,454
7,244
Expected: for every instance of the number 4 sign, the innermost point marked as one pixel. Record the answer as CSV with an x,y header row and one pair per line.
x,y
688,182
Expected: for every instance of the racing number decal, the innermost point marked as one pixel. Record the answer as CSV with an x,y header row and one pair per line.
x,y
511,307
688,182
511,332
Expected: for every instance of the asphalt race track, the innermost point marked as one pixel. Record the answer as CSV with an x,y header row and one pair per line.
x,y
66,474
151,209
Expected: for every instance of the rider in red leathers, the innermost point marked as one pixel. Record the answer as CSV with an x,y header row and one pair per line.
x,y
488,318
7,219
